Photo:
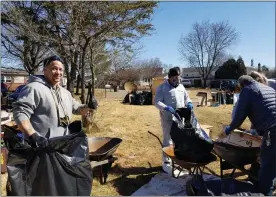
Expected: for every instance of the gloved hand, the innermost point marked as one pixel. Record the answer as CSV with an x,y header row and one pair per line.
x,y
227,130
170,109
190,106
38,141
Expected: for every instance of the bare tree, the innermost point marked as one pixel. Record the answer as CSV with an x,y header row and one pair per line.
x,y
20,41
121,62
101,22
150,69
99,64
166,67
74,31
129,75
204,47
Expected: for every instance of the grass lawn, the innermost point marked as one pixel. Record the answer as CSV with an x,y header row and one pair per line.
x,y
139,155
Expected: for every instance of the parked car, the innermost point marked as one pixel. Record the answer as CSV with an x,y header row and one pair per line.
x,y
186,83
13,96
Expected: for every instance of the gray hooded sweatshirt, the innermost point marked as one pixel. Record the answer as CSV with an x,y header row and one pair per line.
x,y
37,102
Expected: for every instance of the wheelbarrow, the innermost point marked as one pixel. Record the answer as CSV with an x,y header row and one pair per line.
x,y
235,157
101,150
193,168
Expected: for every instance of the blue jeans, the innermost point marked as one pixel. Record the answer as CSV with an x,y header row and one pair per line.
x,y
268,162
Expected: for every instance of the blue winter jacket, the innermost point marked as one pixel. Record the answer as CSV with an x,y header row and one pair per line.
x,y
257,102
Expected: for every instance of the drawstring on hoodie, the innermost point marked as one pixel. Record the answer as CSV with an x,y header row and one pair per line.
x,y
57,98
64,121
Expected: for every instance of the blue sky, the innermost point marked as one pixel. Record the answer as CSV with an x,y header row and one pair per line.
x,y
254,21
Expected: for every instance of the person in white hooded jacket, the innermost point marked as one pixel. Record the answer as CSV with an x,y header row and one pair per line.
x,y
170,95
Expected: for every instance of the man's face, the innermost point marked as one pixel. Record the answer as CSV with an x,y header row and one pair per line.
x,y
174,80
54,72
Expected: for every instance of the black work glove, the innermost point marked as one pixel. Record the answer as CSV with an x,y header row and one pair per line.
x,y
38,141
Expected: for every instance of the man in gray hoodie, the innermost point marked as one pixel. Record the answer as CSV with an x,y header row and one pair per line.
x,y
44,108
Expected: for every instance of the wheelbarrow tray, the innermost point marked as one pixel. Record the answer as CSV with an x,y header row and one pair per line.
x,y
236,155
169,151
101,148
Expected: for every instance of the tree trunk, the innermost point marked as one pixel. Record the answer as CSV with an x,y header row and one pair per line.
x,y
69,81
83,70
92,70
204,82
78,85
73,78
93,80
150,83
82,97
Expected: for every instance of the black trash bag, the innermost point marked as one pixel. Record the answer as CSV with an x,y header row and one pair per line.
x,y
133,99
147,98
126,99
189,145
143,98
139,99
61,169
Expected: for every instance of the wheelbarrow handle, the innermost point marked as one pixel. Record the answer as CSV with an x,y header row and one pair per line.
x,y
156,137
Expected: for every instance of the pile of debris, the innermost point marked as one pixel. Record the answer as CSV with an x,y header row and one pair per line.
x,y
138,98
135,97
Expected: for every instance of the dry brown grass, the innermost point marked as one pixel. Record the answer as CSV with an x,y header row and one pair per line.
x,y
139,155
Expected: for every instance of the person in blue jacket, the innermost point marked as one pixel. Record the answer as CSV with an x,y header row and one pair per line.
x,y
170,95
257,101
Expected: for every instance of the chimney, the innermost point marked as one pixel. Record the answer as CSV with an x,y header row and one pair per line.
x,y
259,67
252,63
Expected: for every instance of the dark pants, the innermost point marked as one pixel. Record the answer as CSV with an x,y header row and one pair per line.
x,y
268,162
254,171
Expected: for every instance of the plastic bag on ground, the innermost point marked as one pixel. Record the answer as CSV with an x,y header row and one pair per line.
x,y
61,169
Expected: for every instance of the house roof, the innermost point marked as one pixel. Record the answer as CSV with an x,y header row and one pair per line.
x,y
13,72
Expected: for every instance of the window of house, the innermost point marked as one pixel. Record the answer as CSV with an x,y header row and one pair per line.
x,y
6,79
